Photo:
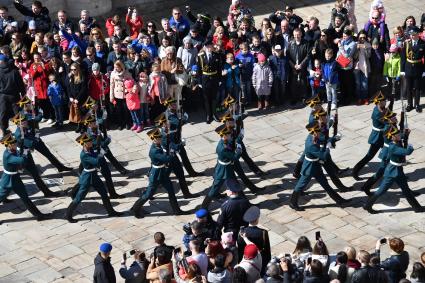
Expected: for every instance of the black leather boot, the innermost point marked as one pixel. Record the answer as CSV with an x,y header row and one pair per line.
x,y
34,211
297,170
358,167
175,206
111,189
293,201
117,165
368,185
369,203
108,206
137,207
44,189
337,198
69,211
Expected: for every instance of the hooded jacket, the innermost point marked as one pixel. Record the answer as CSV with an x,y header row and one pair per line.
x,y
103,270
11,82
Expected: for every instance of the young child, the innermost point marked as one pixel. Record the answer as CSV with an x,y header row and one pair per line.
x,y
378,6
245,60
57,98
330,78
342,12
262,79
133,104
392,73
145,99
316,81
232,80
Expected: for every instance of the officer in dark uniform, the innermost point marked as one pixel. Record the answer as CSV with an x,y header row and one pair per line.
x,y
100,142
224,169
394,172
227,118
21,122
91,104
13,163
232,210
159,174
376,139
89,178
312,168
413,68
32,136
176,121
169,148
209,68
260,237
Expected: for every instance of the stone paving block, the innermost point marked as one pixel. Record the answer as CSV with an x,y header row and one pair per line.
x,y
5,269
66,252
330,222
30,266
45,275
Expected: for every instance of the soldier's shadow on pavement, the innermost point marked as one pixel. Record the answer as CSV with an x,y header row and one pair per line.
x,y
416,175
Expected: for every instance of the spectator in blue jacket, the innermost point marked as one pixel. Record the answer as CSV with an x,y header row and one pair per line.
x,y
279,65
37,13
56,95
5,19
144,42
136,272
178,23
246,62
395,265
74,39
114,55
231,72
330,76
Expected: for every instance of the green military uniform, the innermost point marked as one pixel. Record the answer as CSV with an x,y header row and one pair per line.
x,y
158,175
394,173
376,139
312,168
224,169
13,163
89,178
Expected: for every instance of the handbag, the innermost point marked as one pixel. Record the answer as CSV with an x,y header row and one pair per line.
x,y
74,113
343,61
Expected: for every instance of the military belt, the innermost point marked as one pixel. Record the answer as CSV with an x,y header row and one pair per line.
x,y
209,73
377,129
9,172
386,145
224,163
311,159
158,166
90,170
413,61
396,163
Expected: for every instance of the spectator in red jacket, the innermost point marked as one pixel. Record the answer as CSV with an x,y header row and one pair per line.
x,y
134,22
98,84
111,23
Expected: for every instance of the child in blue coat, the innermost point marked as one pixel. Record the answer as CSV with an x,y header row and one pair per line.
x,y
56,95
330,76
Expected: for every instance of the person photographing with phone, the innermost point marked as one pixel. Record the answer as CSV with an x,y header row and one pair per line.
x,y
136,272
396,264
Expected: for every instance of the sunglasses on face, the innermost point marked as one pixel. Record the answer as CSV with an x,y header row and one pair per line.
x,y
375,18
150,26
323,35
95,33
73,70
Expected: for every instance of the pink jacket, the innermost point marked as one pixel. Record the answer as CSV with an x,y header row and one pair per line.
x,y
132,99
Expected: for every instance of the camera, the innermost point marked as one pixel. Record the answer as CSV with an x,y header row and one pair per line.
x,y
187,229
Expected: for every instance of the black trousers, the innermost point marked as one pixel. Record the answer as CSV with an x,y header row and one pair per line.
x,y
122,115
413,88
46,106
346,78
7,105
209,92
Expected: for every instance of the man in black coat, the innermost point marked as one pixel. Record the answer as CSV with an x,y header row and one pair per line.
x,y
103,270
233,209
260,237
11,87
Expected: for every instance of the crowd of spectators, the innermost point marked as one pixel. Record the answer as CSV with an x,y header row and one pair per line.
x,y
130,65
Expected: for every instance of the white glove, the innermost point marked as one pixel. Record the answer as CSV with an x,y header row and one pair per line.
x,y
200,86
37,135
423,74
329,145
183,142
185,116
172,152
238,146
242,133
71,99
102,152
402,74
26,150
104,115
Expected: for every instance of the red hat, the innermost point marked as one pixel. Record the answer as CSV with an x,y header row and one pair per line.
x,y
250,251
261,57
128,84
393,48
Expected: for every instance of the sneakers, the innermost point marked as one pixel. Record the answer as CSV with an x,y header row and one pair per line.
x,y
139,129
134,127
50,121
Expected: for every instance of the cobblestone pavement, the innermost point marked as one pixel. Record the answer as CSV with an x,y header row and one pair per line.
x,y
56,251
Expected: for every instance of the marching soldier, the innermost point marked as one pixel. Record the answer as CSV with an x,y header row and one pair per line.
x,y
209,68
224,169
394,172
13,163
175,131
326,142
390,119
312,168
168,147
158,175
32,136
376,139
21,122
90,160
236,139
238,130
100,142
412,67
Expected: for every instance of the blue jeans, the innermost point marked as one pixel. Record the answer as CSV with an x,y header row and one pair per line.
x,y
135,116
361,84
144,112
59,114
246,90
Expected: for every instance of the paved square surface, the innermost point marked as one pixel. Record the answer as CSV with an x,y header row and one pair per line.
x,y
56,251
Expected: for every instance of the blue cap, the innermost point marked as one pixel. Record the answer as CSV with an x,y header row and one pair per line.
x,y
3,57
233,185
194,68
105,247
201,213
